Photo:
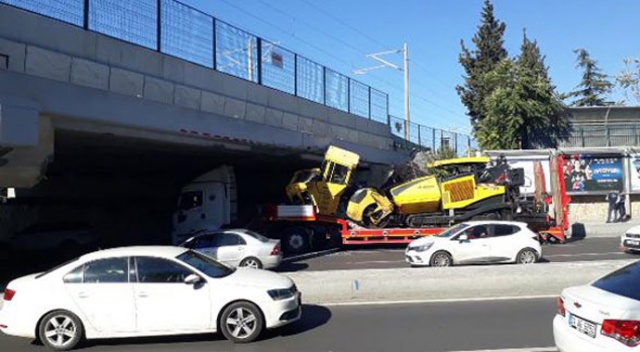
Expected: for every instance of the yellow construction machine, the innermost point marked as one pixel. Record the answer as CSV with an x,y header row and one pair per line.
x,y
472,188
324,187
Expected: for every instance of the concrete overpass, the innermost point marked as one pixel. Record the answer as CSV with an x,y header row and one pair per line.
x,y
69,92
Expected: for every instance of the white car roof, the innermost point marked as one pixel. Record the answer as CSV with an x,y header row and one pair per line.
x,y
156,251
495,222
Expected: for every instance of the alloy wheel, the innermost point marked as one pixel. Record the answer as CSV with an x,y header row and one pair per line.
x,y
241,323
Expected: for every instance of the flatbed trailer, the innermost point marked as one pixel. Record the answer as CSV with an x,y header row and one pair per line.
x,y
300,229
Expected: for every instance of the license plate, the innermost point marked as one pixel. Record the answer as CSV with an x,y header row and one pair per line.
x,y
632,242
586,327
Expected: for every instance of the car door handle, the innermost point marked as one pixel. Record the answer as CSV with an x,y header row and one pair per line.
x,y
83,295
142,294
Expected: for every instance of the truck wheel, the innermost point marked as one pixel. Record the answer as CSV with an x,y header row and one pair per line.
x,y
296,240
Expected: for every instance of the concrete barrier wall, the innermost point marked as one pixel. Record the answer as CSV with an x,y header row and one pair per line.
x,y
469,282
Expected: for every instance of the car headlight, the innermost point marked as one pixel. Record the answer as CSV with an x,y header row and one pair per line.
x,y
282,293
421,248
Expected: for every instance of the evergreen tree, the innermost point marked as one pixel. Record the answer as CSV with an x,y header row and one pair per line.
x,y
594,85
522,111
488,52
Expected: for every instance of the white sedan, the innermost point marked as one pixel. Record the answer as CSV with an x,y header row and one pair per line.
x,y
238,247
146,291
630,240
477,242
603,316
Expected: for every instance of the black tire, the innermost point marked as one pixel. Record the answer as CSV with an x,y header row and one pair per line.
x,y
68,323
527,256
295,240
441,259
251,262
236,330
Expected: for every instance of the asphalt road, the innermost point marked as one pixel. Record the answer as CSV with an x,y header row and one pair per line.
x,y
458,326
366,258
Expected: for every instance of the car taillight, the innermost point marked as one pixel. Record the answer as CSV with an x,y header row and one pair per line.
x,y
276,249
560,305
8,294
625,331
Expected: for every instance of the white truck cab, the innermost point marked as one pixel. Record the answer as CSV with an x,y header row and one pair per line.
x,y
205,204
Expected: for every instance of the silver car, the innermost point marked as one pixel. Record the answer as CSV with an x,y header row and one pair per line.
x,y
238,247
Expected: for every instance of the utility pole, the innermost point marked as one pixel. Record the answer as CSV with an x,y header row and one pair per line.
x,y
406,92
385,63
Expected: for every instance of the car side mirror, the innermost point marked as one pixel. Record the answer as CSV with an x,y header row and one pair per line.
x,y
463,238
192,279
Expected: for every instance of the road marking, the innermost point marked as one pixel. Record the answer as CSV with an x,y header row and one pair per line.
x,y
443,300
529,349
380,261
309,255
582,254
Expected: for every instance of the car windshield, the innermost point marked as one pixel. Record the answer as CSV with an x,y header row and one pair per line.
x,y
255,235
207,265
624,281
453,230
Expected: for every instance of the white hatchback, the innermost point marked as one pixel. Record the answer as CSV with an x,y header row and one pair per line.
x,y
630,240
477,242
603,316
146,291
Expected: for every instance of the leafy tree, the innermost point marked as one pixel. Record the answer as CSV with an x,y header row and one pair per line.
x,y
522,111
629,79
489,51
594,85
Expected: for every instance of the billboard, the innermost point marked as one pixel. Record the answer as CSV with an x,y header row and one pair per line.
x,y
595,174
635,173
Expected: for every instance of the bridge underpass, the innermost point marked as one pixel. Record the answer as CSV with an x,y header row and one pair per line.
x,y
98,130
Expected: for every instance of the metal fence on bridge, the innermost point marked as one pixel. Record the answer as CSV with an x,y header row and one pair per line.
x,y
433,138
179,30
176,29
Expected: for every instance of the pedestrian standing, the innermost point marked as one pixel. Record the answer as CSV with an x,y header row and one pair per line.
x,y
620,207
612,199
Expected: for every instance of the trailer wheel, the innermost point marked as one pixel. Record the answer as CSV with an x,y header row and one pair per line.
x,y
295,240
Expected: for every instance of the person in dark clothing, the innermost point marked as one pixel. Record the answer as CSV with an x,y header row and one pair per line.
x,y
620,207
612,199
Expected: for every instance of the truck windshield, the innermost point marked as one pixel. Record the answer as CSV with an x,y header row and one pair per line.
x,y
453,230
207,265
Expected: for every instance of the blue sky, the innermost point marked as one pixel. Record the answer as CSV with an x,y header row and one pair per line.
x,y
338,34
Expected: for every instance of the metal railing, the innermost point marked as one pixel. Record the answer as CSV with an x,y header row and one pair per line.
x,y
176,29
604,136
433,138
